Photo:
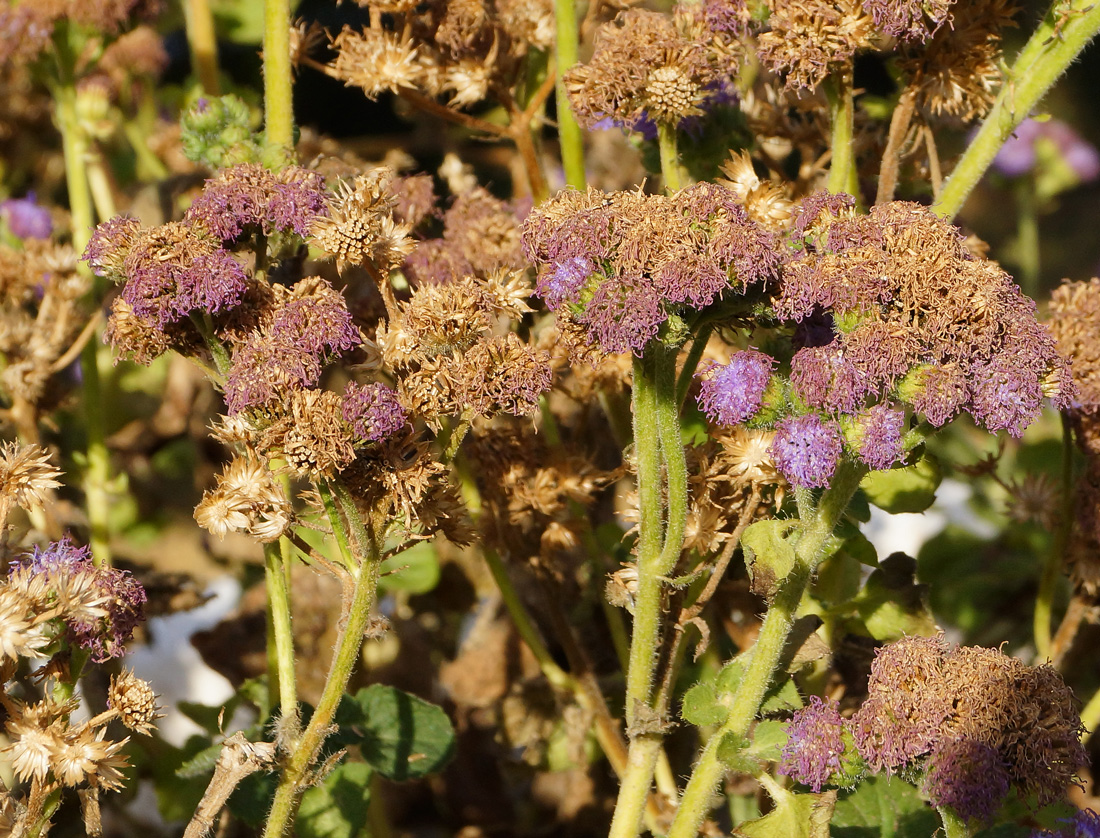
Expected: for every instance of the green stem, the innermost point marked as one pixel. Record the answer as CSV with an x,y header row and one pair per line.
x,y
670,157
295,777
278,89
1090,717
569,132
842,170
280,649
817,527
1059,39
657,437
203,44
691,363
953,825
1048,581
75,151
1027,235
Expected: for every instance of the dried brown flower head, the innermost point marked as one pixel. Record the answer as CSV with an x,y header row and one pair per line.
x,y
247,499
360,225
26,477
812,39
1075,323
311,436
134,701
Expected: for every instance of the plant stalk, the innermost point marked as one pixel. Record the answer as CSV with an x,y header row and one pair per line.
x,y
569,132
842,170
1064,32
281,638
203,44
670,157
1048,581
278,84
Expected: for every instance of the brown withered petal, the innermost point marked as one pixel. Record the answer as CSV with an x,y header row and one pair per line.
x,y
134,700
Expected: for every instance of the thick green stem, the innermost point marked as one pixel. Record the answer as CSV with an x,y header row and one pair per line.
x,y
75,149
953,825
1060,38
1027,235
569,132
1048,582
691,363
816,528
203,44
660,542
280,653
278,85
296,773
842,170
670,157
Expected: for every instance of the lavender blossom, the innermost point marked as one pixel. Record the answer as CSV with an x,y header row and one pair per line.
x,y
373,411
806,450
1020,153
827,381
562,282
815,744
109,245
732,394
968,776
880,436
1006,397
316,325
26,219
1084,824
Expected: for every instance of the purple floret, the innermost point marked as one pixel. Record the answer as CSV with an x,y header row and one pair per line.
x,y
1085,824
296,201
26,219
1006,397
881,430
316,325
815,744
562,281
806,450
109,245
733,393
373,411
969,777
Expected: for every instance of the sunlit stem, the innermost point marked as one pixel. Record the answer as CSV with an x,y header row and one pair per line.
x,y
278,81
281,647
569,132
356,616
1060,38
1048,582
202,43
670,157
817,525
842,170
953,825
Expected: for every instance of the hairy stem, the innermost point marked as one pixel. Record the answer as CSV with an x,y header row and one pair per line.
x,y
891,156
356,616
670,157
817,525
953,825
842,170
278,82
1059,39
569,132
280,650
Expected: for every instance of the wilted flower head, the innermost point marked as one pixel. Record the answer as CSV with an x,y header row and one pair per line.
x,y
134,701
26,476
978,716
247,499
360,225
372,410
1075,324
250,198
910,20
810,39
619,263
100,605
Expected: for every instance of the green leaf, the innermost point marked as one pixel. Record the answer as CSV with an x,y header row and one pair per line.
x,y
768,738
781,697
908,489
339,807
730,677
701,706
733,752
403,737
415,571
883,806
769,553
794,816
251,799
892,604
838,579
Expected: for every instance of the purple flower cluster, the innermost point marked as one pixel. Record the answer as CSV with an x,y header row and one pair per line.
x,y
881,431
124,597
815,744
26,219
373,411
620,263
910,20
967,775
248,198
732,394
915,317
807,449
290,351
1085,824
1020,152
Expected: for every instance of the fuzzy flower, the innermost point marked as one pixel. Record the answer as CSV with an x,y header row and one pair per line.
x,y
1084,824
815,744
732,394
810,39
248,500
247,197
1022,151
563,281
26,219
967,775
373,411
910,20
109,245
807,449
115,600
880,432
